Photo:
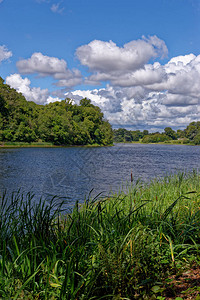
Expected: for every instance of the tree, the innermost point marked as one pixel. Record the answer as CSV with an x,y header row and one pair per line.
x,y
192,130
180,133
170,133
197,139
62,123
85,102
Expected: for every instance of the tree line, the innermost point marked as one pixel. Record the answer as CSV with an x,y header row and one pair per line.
x,y
190,135
60,123
65,123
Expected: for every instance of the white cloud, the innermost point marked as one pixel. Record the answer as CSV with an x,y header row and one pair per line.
x,y
107,57
182,76
142,94
138,92
149,74
44,66
40,96
55,8
4,53
142,108
123,66
52,99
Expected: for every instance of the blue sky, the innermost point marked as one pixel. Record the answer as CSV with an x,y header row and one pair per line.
x,y
138,60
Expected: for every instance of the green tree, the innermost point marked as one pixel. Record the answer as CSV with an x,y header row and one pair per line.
x,y
170,133
192,130
62,123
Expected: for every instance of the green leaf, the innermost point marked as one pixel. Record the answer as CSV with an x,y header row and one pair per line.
x,y
156,289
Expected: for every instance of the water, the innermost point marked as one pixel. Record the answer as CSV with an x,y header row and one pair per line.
x,y
74,171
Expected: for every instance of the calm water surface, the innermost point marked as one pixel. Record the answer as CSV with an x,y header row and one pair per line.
x,y
73,172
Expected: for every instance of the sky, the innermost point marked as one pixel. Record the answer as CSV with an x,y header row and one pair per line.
x,y
138,60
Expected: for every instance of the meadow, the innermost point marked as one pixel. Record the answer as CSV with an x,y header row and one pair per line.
x,y
124,246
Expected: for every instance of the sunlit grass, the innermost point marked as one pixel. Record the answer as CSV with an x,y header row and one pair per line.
x,y
117,247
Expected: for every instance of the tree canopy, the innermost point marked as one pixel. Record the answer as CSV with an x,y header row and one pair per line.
x,y
61,123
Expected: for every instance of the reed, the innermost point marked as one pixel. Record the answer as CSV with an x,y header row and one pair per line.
x,y
117,247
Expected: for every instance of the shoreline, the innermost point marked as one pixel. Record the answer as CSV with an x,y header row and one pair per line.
x,y
46,145
160,143
10,145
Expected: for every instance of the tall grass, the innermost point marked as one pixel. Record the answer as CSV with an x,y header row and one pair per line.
x,y
117,247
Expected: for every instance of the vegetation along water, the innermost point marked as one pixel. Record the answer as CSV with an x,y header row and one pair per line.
x,y
126,246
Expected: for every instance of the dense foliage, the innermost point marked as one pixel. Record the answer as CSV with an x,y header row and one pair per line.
x,y
189,135
120,247
60,123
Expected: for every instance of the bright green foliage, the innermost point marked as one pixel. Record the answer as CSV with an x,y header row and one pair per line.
x,y
60,123
170,133
192,132
196,139
180,133
119,247
122,135
155,138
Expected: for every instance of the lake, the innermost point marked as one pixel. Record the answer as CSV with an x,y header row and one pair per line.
x,y
72,172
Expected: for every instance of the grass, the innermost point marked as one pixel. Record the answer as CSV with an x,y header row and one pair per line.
x,y
43,145
23,144
125,246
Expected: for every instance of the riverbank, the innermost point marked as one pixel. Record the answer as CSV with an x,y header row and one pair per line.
x,y
136,245
50,145
43,145
170,142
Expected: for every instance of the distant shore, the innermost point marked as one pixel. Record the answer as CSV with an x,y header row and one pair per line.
x,y
170,142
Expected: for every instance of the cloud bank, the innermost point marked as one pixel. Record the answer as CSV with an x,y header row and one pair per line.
x,y
140,93
136,89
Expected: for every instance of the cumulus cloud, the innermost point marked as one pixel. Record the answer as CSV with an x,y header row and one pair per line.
x,y
141,108
182,76
140,92
107,57
38,95
4,53
123,66
44,66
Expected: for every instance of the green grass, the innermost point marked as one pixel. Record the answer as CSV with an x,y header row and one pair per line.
x,y
23,144
43,145
119,247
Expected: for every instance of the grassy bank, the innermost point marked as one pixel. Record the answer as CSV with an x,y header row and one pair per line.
x,y
170,142
23,144
128,246
44,145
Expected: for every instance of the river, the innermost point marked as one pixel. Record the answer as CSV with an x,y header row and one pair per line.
x,y
72,172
